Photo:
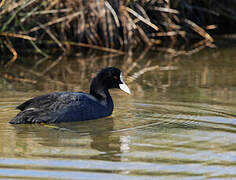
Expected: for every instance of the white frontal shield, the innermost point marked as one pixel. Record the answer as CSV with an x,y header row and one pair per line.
x,y
123,86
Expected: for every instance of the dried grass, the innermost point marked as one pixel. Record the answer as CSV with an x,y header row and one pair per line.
x,y
108,25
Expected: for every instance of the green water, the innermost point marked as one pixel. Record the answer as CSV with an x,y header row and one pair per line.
x,y
178,123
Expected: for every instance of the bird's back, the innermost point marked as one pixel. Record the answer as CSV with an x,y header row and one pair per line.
x,y
62,107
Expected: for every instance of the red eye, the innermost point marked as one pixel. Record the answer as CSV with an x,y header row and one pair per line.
x,y
115,77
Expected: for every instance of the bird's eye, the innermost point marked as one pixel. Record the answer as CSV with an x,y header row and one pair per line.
x,y
115,77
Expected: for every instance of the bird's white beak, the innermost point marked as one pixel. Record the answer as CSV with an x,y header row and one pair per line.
x,y
123,86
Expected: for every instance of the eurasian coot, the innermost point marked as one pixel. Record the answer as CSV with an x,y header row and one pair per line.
x,y
74,106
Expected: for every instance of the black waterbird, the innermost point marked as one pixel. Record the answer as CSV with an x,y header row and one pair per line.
x,y
74,106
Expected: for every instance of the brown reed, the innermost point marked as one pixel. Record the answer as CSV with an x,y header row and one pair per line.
x,y
109,25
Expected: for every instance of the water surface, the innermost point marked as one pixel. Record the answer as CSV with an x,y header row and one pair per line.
x,y
179,122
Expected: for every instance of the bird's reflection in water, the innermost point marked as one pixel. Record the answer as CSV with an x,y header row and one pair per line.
x,y
94,134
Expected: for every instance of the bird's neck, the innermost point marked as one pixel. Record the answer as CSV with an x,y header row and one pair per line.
x,y
99,91
99,94
103,96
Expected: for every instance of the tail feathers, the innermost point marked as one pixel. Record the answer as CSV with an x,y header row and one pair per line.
x,y
29,116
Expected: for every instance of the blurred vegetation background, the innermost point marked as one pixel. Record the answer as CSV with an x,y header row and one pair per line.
x,y
118,26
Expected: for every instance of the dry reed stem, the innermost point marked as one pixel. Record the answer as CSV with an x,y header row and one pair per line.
x,y
52,36
124,21
156,41
116,19
212,26
17,36
167,10
12,78
12,50
52,4
12,7
59,20
146,21
199,30
52,11
94,47
110,29
143,12
2,3
144,36
169,33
